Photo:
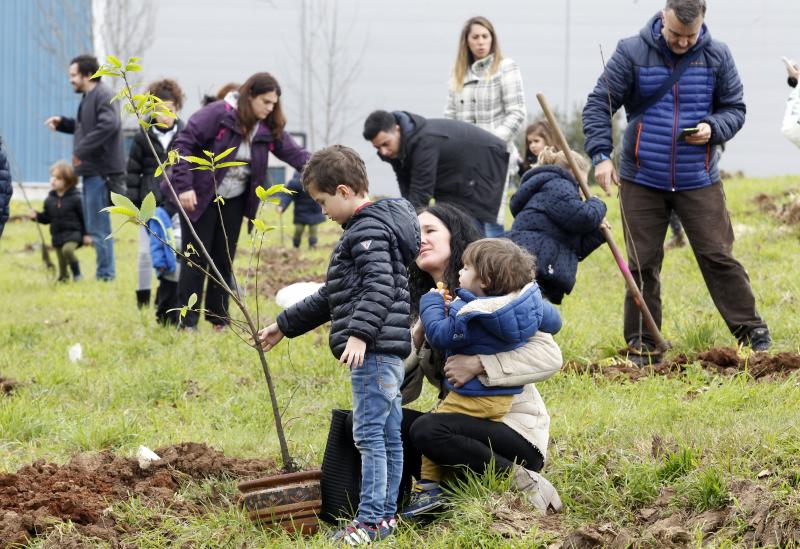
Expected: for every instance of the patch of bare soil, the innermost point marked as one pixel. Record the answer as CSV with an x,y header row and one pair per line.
x,y
755,518
719,360
279,267
42,494
8,385
785,206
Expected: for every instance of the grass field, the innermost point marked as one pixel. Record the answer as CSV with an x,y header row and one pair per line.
x,y
723,448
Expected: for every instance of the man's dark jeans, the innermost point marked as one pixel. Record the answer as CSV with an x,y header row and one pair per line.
x,y
707,225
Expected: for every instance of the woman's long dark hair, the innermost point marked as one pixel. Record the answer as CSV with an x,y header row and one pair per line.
x,y
260,83
463,231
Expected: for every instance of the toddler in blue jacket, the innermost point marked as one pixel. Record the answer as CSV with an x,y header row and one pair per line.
x,y
165,238
498,308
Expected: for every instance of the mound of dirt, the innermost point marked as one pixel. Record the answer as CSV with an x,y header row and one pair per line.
x,y
719,360
279,267
785,206
8,385
82,491
754,518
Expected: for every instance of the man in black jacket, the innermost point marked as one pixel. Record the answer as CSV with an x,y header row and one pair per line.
x,y
451,161
97,154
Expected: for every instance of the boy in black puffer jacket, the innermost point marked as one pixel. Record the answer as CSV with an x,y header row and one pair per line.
x,y
554,224
63,211
366,297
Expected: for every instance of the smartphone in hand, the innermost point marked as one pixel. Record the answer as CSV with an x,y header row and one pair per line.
x,y
686,132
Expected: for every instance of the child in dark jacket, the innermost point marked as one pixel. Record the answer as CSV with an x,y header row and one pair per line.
x,y
306,212
63,211
554,224
498,308
366,297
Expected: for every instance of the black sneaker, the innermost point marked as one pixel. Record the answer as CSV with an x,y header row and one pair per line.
x,y
757,339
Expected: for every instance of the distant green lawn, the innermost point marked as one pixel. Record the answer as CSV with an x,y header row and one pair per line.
x,y
139,383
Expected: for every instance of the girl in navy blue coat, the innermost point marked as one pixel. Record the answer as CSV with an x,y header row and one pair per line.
x,y
554,224
306,212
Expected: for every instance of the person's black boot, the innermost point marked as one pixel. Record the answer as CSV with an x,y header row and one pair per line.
x,y
76,271
142,298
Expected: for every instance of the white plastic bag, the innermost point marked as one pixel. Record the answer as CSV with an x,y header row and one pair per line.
x,y
291,294
146,456
791,119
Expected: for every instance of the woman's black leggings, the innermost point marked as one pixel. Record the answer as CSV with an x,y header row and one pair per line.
x,y
460,440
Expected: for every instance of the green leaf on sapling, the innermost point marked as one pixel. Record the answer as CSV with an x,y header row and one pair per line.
x,y
223,154
114,61
229,164
148,207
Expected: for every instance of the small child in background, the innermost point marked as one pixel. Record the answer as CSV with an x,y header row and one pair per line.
x,y
63,211
165,238
553,223
498,308
537,137
306,212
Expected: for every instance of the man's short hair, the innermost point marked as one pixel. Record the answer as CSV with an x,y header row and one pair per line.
x,y
87,64
377,122
687,11
333,166
500,264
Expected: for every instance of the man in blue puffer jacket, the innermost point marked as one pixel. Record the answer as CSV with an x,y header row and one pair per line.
x,y
5,187
662,168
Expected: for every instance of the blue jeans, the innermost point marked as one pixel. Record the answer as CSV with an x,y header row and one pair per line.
x,y
98,224
376,431
493,230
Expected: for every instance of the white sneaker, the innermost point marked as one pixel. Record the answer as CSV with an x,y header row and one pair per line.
x,y
537,490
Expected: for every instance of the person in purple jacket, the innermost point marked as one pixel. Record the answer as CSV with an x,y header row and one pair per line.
x,y
252,121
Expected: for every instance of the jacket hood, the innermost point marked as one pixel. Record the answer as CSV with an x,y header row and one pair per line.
x,y
537,177
399,215
505,316
651,34
410,124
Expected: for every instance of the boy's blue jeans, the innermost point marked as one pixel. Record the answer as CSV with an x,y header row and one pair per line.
x,y
376,431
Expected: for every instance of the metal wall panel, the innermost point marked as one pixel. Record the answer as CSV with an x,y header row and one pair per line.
x,y
37,40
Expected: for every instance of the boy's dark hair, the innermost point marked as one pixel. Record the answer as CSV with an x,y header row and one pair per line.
x,y
333,166
168,90
500,264
87,65
377,122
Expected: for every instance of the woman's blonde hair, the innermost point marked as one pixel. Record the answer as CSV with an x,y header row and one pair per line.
x,y
64,171
464,58
551,155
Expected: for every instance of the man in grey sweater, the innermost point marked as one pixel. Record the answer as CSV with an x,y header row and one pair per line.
x,y
97,154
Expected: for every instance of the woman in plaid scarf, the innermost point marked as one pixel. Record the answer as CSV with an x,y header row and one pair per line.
x,y
486,90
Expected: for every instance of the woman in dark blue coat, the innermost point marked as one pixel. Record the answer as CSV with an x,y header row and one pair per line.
x,y
554,224
5,187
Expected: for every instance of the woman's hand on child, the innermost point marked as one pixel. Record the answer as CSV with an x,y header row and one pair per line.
x,y
354,351
87,240
270,336
459,369
418,334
